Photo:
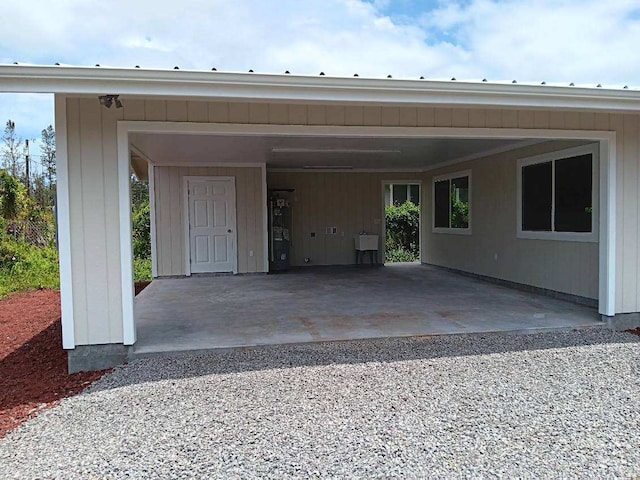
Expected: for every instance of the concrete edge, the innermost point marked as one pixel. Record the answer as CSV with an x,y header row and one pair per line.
x,y
85,358
568,297
89,358
623,321
266,346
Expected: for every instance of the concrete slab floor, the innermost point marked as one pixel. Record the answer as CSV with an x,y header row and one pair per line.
x,y
337,304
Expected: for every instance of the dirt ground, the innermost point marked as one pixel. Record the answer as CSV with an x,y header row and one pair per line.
x,y
33,365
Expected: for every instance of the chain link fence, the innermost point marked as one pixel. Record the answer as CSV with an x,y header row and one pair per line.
x,y
35,232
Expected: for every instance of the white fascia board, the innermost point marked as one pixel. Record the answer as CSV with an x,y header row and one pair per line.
x,y
294,88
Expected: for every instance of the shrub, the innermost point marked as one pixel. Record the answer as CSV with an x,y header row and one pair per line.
x,y
141,232
402,225
27,267
459,213
398,254
142,270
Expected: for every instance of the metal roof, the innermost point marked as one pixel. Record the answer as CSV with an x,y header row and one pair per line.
x,y
252,86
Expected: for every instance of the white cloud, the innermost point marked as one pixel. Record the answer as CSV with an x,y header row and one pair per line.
x,y
584,41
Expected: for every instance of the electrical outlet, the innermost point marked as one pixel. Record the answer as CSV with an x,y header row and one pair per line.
x,y
313,234
251,253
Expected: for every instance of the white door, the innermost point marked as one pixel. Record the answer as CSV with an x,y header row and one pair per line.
x,y
212,224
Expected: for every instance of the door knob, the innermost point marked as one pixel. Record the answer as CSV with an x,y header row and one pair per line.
x,y
229,231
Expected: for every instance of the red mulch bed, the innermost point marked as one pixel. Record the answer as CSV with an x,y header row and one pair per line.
x,y
33,365
635,331
139,286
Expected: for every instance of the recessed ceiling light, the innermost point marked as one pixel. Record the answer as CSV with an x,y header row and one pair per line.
x,y
336,150
328,167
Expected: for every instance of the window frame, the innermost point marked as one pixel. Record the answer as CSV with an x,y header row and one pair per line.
x,y
552,157
450,230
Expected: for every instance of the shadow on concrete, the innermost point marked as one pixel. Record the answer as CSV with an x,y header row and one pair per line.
x,y
351,352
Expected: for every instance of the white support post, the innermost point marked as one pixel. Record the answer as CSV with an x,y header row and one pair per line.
x,y
265,219
152,214
607,264
63,215
126,250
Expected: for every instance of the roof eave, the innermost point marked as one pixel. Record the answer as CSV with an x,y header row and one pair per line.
x,y
295,88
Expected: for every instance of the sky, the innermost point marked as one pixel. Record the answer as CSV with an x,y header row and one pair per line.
x,y
582,41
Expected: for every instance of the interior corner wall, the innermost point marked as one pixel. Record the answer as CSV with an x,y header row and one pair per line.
x,y
350,201
170,223
493,249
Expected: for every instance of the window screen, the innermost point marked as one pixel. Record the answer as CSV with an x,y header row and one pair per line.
x,y
460,202
537,197
574,184
414,191
399,194
451,203
441,204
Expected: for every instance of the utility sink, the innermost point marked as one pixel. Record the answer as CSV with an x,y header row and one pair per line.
x,y
366,242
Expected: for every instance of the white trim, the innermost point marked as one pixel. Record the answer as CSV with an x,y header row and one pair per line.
x,y
152,220
384,216
195,85
210,164
595,195
265,219
607,247
450,230
244,129
63,215
126,247
187,220
186,226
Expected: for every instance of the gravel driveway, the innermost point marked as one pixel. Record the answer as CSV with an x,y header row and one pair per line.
x,y
545,405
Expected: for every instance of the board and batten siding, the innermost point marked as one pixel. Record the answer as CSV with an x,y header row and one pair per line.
x,y
93,179
493,249
170,222
94,221
349,201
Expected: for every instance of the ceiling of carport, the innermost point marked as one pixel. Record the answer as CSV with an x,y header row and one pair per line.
x,y
279,151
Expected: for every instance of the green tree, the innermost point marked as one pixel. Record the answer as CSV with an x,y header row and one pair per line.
x,y
48,160
12,196
139,193
141,213
12,150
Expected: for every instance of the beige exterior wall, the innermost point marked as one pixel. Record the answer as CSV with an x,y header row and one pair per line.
x,y
493,249
93,175
170,222
350,201
94,221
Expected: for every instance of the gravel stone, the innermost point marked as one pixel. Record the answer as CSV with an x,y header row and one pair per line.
x,y
559,404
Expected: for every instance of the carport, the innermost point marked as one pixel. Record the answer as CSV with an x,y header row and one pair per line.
x,y
334,142
337,175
